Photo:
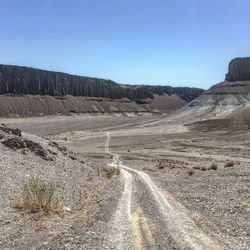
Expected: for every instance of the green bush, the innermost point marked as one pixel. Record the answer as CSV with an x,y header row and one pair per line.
x,y
41,196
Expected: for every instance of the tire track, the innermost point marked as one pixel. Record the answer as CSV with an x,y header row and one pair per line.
x,y
182,229
120,236
177,225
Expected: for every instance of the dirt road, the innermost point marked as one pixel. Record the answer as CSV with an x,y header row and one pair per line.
x,y
146,219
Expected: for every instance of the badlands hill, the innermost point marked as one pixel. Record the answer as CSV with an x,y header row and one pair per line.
x,y
33,92
225,106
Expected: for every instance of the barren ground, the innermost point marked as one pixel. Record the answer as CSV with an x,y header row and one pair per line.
x,y
159,205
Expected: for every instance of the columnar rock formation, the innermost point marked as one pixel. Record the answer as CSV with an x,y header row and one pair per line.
x,y
23,81
239,70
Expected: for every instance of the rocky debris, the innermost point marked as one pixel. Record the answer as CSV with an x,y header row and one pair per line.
x,y
59,147
23,81
239,70
14,143
12,138
13,131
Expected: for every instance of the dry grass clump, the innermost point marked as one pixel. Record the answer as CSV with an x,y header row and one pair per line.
x,y
89,178
229,164
40,225
110,170
41,196
213,166
191,172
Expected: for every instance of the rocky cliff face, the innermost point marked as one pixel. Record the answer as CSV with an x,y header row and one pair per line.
x,y
23,81
239,70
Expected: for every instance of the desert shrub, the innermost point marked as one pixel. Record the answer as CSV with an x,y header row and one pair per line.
x,y
110,170
213,166
197,167
72,157
229,164
40,196
191,172
203,168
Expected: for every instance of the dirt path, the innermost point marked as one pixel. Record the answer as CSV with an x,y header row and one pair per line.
x,y
146,219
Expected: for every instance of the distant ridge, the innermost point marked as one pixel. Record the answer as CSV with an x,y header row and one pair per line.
x,y
24,80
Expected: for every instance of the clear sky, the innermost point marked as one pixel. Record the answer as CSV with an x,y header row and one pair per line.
x,y
168,42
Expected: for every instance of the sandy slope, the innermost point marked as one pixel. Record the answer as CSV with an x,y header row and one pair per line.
x,y
37,106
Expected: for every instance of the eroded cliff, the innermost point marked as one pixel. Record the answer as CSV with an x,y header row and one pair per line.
x,y
239,70
23,81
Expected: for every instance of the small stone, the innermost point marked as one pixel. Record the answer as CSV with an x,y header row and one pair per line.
x,y
67,209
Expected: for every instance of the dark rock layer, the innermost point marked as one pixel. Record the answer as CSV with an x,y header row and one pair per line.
x,y
239,70
23,81
12,138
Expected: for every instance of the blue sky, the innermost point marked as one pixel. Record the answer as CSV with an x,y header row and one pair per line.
x,y
167,42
